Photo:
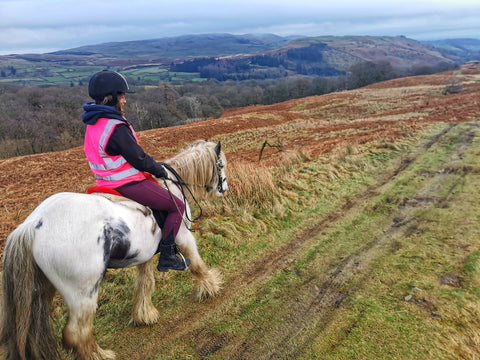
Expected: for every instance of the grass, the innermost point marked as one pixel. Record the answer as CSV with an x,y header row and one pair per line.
x,y
399,241
376,322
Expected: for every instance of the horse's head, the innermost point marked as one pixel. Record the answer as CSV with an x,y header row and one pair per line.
x,y
203,167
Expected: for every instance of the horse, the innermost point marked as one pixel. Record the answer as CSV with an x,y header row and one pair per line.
x,y
70,240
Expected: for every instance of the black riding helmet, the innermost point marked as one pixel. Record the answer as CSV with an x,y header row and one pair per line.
x,y
105,83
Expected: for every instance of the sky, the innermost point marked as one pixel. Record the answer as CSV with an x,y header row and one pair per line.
x,y
40,26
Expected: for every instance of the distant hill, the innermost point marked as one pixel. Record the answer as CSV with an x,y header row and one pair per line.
x,y
226,56
317,56
461,50
399,51
181,46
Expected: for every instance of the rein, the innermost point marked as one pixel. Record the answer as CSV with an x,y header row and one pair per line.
x,y
181,185
217,170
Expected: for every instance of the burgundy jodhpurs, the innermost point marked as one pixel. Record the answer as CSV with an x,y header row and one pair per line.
x,y
154,196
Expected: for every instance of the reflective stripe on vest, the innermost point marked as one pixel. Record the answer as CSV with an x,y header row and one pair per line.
x,y
118,176
110,164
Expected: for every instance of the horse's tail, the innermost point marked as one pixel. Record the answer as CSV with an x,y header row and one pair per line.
x,y
27,300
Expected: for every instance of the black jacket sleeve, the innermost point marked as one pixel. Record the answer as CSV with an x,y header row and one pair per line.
x,y
122,142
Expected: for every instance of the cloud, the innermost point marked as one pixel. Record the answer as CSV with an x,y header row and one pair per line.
x,y
48,25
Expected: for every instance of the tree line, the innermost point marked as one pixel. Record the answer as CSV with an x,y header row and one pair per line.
x,y
302,61
41,119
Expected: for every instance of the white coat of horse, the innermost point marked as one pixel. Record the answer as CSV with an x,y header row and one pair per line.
x,y
70,240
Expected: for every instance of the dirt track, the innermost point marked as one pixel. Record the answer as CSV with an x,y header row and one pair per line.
x,y
307,317
317,125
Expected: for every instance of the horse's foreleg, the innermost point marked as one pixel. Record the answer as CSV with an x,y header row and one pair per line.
x,y
144,313
207,281
78,333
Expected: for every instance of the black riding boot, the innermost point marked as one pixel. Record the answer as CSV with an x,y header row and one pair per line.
x,y
168,256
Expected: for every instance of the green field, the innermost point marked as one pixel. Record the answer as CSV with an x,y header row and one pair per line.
x,y
50,74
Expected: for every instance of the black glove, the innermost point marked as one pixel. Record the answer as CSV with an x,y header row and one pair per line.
x,y
160,171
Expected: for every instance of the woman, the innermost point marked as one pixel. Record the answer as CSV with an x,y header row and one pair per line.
x,y
119,163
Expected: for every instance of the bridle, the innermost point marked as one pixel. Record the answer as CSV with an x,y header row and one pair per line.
x,y
217,168
182,185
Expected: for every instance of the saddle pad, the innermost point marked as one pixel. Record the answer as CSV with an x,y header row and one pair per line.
x,y
103,190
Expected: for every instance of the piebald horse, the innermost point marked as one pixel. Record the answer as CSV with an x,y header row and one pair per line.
x,y
70,240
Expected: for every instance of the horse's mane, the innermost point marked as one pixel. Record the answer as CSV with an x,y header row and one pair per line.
x,y
196,166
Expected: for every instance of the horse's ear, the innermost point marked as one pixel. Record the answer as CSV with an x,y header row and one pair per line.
x,y
218,148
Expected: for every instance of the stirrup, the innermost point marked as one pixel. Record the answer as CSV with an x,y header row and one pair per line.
x,y
185,262
172,259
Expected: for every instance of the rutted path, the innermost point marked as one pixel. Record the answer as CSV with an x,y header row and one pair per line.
x,y
306,319
316,314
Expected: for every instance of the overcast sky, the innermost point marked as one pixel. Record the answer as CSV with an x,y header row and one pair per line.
x,y
39,26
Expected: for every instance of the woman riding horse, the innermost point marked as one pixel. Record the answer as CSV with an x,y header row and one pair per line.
x,y
119,163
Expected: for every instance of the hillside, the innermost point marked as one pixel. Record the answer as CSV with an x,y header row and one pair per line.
x,y
220,56
324,122
399,51
354,236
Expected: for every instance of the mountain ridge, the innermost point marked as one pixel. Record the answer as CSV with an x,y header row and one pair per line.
x,y
184,45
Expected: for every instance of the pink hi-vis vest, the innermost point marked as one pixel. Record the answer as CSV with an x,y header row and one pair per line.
x,y
110,171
